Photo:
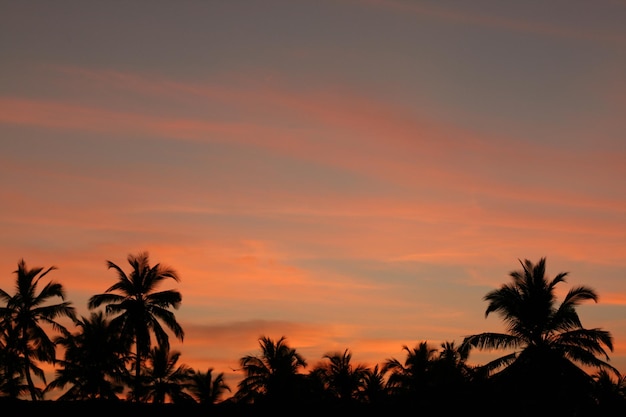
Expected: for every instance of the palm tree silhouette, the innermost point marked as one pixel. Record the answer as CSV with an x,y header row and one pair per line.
x,y
609,391
11,366
206,388
164,380
450,368
547,339
342,380
95,361
139,309
408,380
374,389
26,342
273,376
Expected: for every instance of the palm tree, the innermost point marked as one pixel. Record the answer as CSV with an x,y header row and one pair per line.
x,y
342,380
207,389
95,361
374,389
272,376
408,380
163,380
610,392
26,342
450,368
11,374
547,339
139,309
452,383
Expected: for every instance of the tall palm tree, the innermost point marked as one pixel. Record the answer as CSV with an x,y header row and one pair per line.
x,y
272,376
547,339
25,340
207,388
139,309
95,361
164,380
343,380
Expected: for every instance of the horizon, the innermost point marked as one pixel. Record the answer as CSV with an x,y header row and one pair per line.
x,y
349,174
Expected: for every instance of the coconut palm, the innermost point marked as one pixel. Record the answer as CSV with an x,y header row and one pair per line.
x,y
535,321
206,388
273,375
25,341
548,342
95,361
12,382
409,379
374,389
139,309
450,367
163,380
342,380
609,391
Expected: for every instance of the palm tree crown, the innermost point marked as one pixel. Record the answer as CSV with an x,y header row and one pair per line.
x,y
206,387
25,341
409,379
95,361
529,309
138,308
343,379
273,375
164,379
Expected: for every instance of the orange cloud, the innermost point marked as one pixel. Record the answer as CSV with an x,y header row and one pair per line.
x,y
613,299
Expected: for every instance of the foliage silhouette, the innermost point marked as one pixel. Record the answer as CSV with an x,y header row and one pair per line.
x,y
547,338
139,310
206,388
342,380
543,374
25,342
273,376
609,391
374,389
163,379
95,361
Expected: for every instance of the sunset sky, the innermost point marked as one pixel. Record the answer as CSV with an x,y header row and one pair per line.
x,y
349,174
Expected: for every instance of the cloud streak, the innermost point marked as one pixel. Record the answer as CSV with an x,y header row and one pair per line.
x,y
497,22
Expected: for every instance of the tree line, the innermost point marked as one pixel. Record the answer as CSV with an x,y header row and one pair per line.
x,y
121,353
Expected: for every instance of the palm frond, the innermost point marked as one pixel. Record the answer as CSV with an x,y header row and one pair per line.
x,y
492,341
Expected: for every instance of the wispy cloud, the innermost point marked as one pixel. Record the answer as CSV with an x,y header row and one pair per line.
x,y
497,22
412,153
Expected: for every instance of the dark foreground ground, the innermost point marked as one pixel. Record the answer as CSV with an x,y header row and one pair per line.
x,y
487,408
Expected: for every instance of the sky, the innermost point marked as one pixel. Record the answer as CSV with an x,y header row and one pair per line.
x,y
348,174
